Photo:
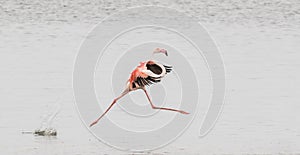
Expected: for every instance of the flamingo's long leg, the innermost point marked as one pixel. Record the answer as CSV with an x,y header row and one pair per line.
x,y
154,107
114,101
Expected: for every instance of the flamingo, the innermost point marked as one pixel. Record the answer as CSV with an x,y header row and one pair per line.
x,y
145,74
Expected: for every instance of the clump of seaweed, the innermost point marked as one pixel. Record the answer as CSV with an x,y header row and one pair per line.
x,y
46,132
42,132
45,128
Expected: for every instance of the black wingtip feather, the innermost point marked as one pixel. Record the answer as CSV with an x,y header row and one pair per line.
x,y
168,68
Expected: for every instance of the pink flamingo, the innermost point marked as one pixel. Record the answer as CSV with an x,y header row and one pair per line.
x,y
146,73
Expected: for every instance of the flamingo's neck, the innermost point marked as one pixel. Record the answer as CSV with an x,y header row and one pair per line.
x,y
152,56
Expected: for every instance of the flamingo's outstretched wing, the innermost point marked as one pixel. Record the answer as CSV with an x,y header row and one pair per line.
x,y
141,82
147,77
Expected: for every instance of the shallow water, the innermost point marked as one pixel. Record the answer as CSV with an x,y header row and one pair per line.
x,y
259,42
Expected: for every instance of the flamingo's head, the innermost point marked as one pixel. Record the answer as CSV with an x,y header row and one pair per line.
x,y
160,50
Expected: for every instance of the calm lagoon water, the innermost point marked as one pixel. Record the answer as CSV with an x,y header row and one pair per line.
x,y
259,42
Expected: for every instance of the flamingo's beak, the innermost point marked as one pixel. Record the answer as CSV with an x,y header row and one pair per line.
x,y
164,51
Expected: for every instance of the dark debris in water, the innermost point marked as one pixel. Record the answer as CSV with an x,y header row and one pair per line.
x,y
43,132
46,132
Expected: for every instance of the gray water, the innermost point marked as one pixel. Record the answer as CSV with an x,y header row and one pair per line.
x,y
259,42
